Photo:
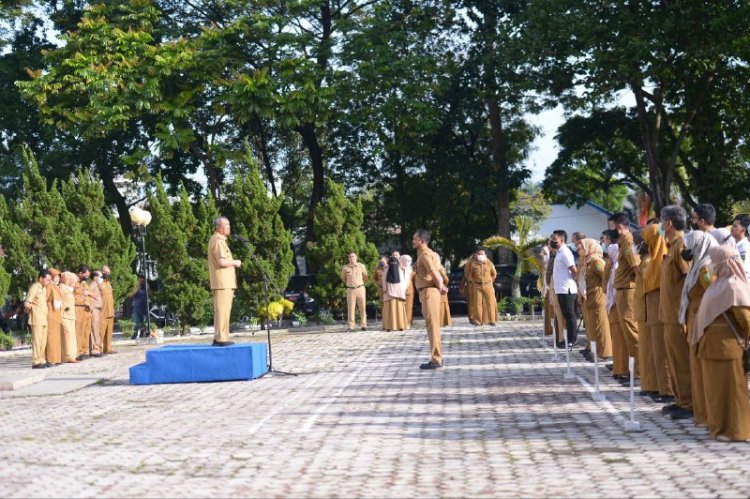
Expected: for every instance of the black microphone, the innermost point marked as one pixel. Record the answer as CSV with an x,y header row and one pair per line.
x,y
240,238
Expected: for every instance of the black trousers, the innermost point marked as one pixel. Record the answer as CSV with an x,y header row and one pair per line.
x,y
568,307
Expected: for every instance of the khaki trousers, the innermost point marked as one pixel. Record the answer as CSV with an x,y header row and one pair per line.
x,y
624,299
69,346
661,365
107,327
222,312
96,327
83,330
550,320
355,300
38,343
559,317
409,309
619,350
678,362
485,304
697,387
53,350
432,312
646,359
471,302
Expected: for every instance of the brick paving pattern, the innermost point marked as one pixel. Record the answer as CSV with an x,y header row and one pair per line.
x,y
360,420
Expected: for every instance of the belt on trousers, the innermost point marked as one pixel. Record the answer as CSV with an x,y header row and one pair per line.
x,y
354,287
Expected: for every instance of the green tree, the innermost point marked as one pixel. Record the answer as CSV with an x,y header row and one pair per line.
x,y
523,249
254,215
102,232
338,223
178,241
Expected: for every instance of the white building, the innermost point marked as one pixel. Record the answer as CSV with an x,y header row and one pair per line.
x,y
590,218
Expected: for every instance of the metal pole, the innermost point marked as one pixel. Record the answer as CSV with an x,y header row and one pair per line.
x,y
145,278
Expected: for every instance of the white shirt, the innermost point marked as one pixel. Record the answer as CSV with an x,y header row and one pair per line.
x,y
562,277
743,248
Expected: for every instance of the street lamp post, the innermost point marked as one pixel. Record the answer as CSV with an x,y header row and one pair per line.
x,y
140,219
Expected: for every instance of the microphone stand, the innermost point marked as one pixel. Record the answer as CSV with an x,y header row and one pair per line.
x,y
266,280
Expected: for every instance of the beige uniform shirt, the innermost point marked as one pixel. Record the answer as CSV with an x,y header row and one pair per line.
x,y
37,298
674,270
95,294
353,275
427,262
483,272
108,300
220,277
627,262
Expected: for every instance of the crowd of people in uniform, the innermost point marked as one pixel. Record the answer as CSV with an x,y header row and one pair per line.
x,y
71,316
675,300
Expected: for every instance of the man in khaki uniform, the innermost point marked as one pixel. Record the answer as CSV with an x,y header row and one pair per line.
x,y
83,312
674,270
627,267
108,311
429,286
354,275
95,293
223,279
36,306
468,289
482,276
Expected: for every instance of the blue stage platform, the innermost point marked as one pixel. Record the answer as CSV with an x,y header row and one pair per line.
x,y
200,363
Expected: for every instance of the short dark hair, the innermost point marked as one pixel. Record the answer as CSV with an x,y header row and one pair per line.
x,y
96,273
44,273
612,235
707,212
561,233
743,219
578,235
620,218
83,268
423,234
675,214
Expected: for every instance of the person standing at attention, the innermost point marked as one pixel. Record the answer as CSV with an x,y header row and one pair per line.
x,y
354,275
430,286
223,279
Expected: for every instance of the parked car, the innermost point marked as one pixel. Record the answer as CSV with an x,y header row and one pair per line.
x,y
297,292
503,286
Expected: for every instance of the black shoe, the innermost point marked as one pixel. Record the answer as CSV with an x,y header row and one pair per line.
x,y
681,413
222,343
39,366
670,408
50,364
561,345
430,365
584,351
610,366
663,399
84,357
349,330
97,355
364,328
647,393
620,377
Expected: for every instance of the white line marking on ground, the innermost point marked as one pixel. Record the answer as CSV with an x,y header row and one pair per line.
x,y
281,406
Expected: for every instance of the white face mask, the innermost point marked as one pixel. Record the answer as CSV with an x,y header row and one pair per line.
x,y
100,280
481,258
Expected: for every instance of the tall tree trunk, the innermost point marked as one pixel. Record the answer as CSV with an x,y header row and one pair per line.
x,y
501,169
114,195
310,138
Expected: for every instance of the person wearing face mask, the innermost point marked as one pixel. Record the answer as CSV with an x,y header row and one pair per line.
x,y
703,217
698,279
564,275
83,312
379,276
627,266
97,303
482,276
654,341
674,270
721,331
108,311
53,351
68,281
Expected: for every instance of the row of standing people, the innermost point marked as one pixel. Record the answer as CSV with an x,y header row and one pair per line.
x,y
71,317
677,302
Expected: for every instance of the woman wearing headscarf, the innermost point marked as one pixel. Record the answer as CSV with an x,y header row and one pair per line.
x,y
69,344
394,297
697,244
724,237
619,349
645,352
722,327
581,282
658,368
53,351
408,273
595,305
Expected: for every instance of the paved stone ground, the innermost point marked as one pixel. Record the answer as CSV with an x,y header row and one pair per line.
x,y
361,420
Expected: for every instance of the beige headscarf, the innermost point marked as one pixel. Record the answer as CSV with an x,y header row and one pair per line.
x,y
730,289
589,248
613,251
699,243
